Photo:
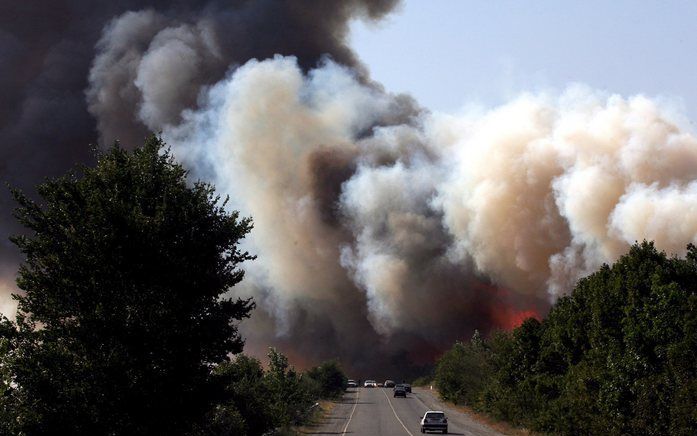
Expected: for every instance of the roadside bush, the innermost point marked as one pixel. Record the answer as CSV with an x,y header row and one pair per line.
x,y
223,420
330,380
243,391
255,402
463,372
424,380
290,395
615,356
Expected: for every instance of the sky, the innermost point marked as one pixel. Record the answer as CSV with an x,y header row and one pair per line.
x,y
451,54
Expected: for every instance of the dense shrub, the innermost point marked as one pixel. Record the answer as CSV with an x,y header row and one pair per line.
x,y
615,356
243,391
463,371
329,379
253,401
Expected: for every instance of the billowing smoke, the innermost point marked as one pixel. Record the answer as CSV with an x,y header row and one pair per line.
x,y
152,64
384,232
78,72
354,256
432,224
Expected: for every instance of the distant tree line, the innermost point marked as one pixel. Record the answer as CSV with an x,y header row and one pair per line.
x,y
618,355
124,324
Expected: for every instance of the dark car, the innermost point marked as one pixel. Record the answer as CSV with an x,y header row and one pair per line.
x,y
389,384
400,392
407,387
434,420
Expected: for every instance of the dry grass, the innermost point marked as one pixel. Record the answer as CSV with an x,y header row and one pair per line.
x,y
324,409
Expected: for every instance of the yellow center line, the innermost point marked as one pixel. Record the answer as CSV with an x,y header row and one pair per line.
x,y
395,414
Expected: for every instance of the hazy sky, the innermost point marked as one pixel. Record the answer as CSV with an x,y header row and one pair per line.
x,y
451,53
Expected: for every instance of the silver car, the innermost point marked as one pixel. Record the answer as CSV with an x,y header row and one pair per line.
x,y
434,420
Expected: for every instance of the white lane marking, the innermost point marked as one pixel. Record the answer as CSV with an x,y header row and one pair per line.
x,y
395,414
358,392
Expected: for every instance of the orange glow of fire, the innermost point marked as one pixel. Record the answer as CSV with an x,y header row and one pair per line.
x,y
508,318
508,311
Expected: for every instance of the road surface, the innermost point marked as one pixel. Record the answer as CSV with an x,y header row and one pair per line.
x,y
375,412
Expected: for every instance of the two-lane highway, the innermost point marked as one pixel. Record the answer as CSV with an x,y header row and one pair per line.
x,y
375,412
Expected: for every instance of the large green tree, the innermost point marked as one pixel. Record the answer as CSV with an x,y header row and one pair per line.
x,y
615,356
123,314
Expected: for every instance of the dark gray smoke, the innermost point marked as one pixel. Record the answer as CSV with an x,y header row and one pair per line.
x,y
152,63
53,54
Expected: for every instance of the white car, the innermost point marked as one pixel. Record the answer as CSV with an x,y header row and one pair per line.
x,y
434,420
370,384
352,384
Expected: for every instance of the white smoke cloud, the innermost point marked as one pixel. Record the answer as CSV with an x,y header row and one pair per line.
x,y
533,194
668,215
547,189
259,133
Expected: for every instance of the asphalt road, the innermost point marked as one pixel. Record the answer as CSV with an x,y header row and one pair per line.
x,y
375,412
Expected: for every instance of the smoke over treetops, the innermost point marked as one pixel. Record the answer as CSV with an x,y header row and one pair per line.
x,y
383,231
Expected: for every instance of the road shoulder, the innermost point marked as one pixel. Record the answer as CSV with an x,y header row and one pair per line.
x,y
334,417
454,413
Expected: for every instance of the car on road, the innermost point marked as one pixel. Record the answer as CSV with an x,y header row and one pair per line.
x,y
370,384
352,384
407,387
389,384
399,391
434,420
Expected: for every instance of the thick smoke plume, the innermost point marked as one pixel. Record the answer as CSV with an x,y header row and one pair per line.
x,y
384,232
433,224
77,72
